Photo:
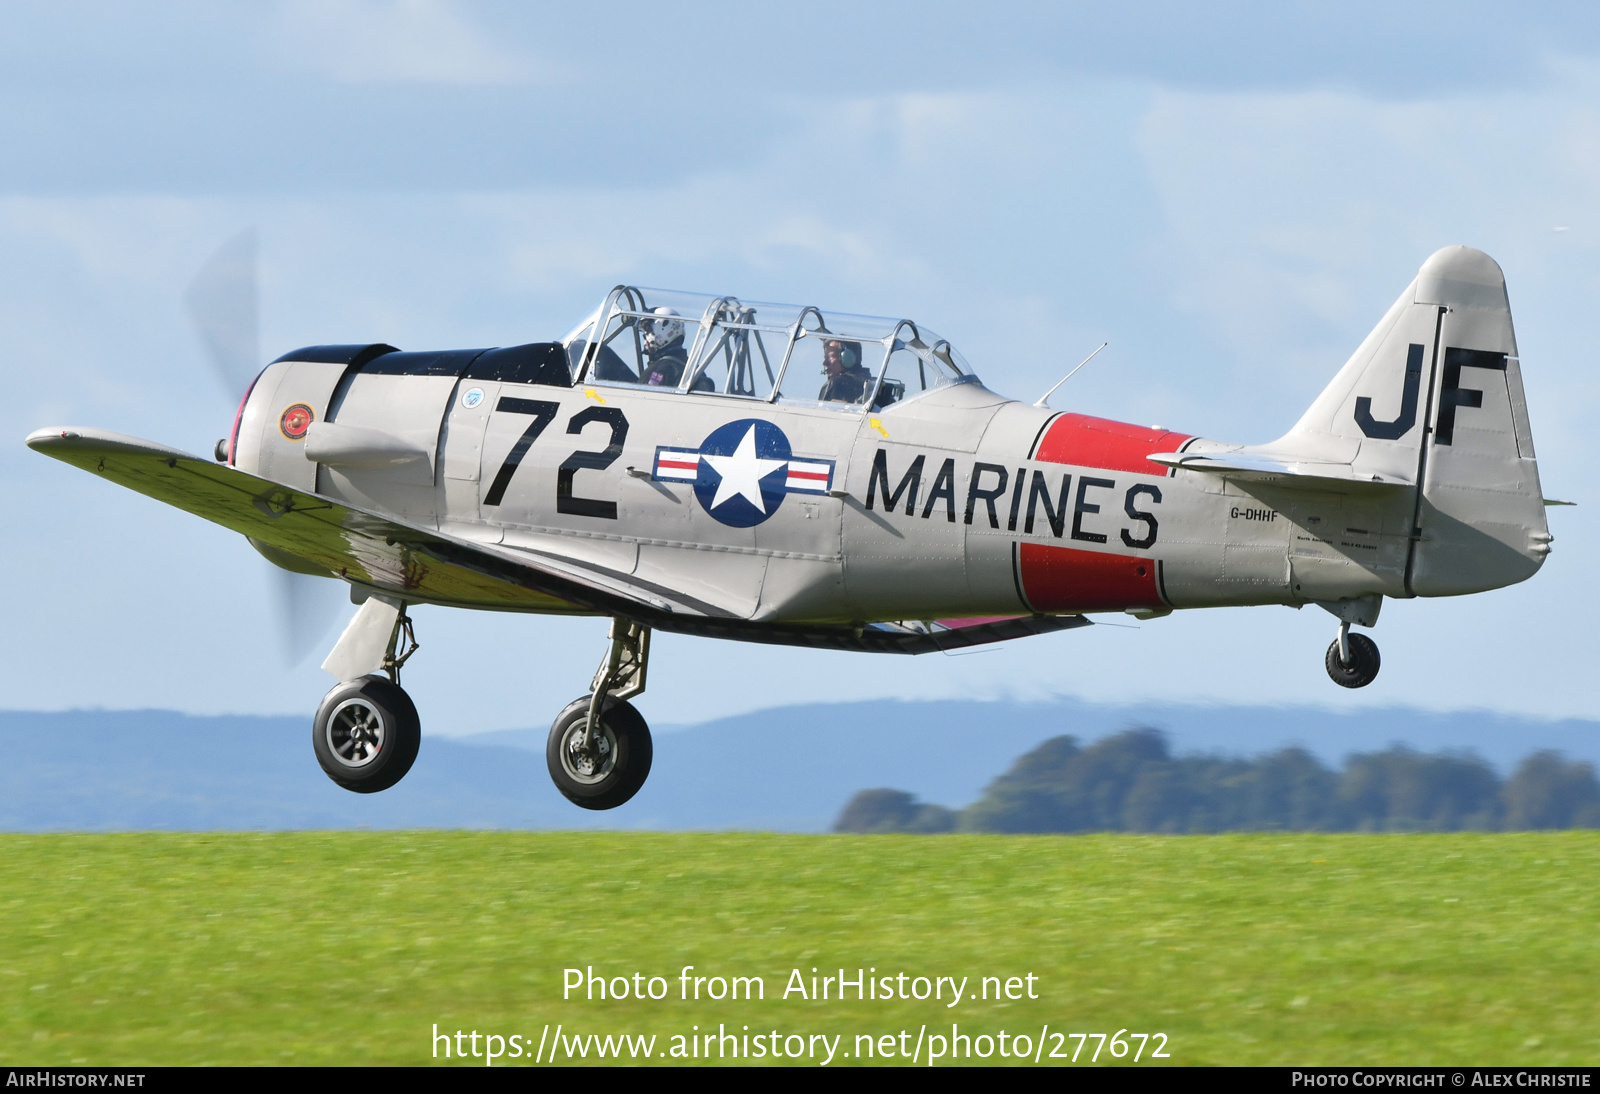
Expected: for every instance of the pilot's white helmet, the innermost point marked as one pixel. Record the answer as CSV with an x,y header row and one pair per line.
x,y
661,333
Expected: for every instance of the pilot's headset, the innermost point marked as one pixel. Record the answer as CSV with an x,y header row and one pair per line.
x,y
661,333
849,353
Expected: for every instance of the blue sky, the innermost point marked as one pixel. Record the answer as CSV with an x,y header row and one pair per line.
x,y
1231,194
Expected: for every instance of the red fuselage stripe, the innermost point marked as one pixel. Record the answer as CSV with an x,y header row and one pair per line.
x,y
1066,579
1115,446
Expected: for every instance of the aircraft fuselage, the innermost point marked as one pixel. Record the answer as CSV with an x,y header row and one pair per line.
x,y
958,503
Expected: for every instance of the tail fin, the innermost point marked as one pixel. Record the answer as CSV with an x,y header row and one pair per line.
x,y
1433,397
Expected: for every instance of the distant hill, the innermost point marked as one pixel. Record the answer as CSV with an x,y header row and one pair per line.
x,y
785,769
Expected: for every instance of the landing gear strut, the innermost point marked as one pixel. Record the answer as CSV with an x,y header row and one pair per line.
x,y
366,732
599,748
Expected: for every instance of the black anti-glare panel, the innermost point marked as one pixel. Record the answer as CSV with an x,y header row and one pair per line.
x,y
536,363
354,356
447,362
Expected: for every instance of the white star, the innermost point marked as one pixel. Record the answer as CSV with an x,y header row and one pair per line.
x,y
742,473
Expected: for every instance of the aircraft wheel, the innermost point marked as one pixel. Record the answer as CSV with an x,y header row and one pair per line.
x,y
613,770
366,734
1363,666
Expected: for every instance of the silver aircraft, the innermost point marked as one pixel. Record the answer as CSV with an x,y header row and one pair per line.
x,y
784,474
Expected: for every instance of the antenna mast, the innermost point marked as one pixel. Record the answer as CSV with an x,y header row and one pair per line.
x,y
1044,400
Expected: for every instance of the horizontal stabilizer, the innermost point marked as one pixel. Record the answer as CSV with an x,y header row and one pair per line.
x,y
1258,467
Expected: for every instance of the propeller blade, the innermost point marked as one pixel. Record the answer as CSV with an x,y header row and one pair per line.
x,y
307,607
222,302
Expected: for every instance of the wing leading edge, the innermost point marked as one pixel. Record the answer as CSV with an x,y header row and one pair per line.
x,y
420,565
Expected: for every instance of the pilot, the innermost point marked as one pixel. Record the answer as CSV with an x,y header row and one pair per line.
x,y
847,379
665,356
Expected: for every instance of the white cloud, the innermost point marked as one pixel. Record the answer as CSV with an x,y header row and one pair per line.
x,y
398,42
1293,219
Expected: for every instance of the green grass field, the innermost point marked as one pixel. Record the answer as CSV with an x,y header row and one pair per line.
x,y
333,948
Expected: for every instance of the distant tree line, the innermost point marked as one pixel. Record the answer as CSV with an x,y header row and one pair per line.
x,y
1131,782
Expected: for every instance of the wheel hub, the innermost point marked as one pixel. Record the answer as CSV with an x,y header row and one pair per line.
x,y
356,733
592,764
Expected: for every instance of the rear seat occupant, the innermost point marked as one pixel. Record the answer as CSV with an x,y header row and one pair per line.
x,y
847,379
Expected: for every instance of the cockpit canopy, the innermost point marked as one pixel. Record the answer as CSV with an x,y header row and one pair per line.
x,y
768,352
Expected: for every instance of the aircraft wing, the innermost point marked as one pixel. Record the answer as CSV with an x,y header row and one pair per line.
x,y
342,540
1251,466
422,565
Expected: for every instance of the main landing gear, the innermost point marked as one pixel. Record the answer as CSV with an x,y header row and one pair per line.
x,y
599,748
1352,660
366,732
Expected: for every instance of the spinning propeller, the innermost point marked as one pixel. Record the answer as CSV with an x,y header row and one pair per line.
x,y
223,304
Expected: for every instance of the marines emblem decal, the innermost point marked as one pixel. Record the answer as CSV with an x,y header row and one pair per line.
x,y
294,422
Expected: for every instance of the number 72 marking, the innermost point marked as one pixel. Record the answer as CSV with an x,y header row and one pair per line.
x,y
543,414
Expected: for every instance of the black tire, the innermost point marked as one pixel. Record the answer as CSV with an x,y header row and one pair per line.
x,y
366,734
1363,666
620,770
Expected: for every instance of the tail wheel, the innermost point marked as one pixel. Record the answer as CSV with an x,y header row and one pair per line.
x,y
1362,667
366,734
610,770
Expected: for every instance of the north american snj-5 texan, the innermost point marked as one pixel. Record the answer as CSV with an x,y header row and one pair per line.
x,y
785,474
